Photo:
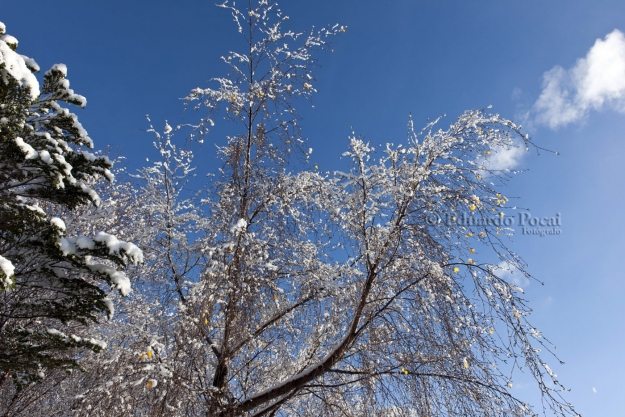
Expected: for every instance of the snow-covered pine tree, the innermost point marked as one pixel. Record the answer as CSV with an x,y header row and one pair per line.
x,y
157,212
51,284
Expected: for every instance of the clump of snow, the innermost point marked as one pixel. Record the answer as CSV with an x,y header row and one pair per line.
x,y
239,227
95,198
62,68
67,246
14,66
84,242
28,150
98,343
3,28
116,246
45,157
30,63
119,279
56,332
36,209
122,282
10,40
270,267
55,221
110,307
7,267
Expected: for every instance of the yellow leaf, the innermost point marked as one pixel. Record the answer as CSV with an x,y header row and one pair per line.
x,y
456,269
205,321
275,298
492,331
472,251
143,356
470,234
150,354
465,363
472,207
404,371
470,261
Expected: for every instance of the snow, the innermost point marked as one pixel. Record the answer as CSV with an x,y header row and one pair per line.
x,y
122,282
10,40
118,278
36,209
62,68
55,221
67,246
84,242
45,157
56,332
29,151
31,63
7,267
16,68
239,227
97,342
270,267
115,246
92,194
111,308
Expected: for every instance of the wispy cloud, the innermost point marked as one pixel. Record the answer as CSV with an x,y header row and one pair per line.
x,y
505,158
596,82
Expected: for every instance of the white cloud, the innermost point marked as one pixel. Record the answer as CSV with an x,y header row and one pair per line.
x,y
505,158
596,82
594,390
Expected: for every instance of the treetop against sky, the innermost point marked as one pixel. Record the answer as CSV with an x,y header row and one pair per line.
x,y
556,68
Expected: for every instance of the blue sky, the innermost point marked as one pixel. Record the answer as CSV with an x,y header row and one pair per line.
x,y
430,58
